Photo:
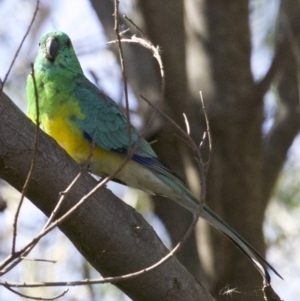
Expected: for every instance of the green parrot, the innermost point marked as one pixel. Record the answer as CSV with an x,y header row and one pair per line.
x,y
75,112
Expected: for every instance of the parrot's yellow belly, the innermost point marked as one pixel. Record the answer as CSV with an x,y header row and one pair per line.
x,y
71,138
103,162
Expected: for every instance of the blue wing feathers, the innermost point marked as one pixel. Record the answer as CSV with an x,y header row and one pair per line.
x,y
108,122
87,136
146,160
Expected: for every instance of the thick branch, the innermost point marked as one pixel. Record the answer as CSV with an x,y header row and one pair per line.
x,y
110,234
282,47
286,127
287,118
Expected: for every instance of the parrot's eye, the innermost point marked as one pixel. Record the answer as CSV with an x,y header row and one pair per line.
x,y
68,43
39,44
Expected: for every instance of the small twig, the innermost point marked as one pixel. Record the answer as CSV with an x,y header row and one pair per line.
x,y
37,259
36,298
21,44
203,165
169,119
207,132
269,294
66,191
147,44
121,55
62,197
188,131
136,27
33,162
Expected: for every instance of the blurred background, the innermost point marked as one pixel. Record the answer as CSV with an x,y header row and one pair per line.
x,y
244,56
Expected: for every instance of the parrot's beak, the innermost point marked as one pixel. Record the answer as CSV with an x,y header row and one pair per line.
x,y
51,48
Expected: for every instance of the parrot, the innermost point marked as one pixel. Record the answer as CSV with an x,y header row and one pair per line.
x,y
74,112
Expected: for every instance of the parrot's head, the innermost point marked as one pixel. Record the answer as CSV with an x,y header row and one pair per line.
x,y
56,51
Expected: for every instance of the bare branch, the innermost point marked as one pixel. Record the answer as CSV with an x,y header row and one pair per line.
x,y
269,294
116,28
33,162
38,259
188,130
36,298
137,27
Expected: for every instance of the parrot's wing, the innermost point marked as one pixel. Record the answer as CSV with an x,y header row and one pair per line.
x,y
108,124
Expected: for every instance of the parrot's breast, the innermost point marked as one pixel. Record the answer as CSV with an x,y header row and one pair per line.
x,y
58,122
68,134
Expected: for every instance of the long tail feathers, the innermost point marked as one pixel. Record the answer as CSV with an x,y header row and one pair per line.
x,y
259,262
186,199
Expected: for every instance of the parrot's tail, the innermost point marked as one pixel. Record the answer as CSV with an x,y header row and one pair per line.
x,y
259,262
185,198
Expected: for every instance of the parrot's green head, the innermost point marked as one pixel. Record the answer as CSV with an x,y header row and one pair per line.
x,y
56,52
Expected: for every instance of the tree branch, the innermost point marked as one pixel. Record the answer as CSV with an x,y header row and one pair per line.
x,y
287,118
291,10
